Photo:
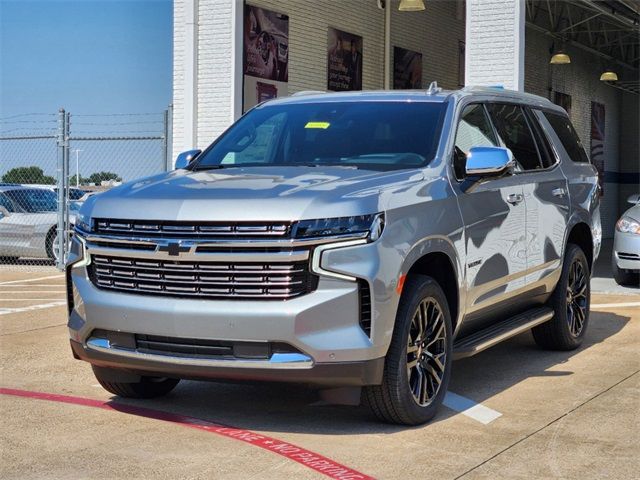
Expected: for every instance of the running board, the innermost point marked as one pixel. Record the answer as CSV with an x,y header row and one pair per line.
x,y
490,336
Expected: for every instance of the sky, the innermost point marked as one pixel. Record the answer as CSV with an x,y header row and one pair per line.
x,y
100,58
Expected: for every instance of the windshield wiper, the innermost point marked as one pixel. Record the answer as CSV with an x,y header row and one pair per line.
x,y
199,168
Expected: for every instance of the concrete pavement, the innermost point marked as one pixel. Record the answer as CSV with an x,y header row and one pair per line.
x,y
562,414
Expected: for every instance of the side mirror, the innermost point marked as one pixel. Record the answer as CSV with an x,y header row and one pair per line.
x,y
489,161
185,158
634,199
4,212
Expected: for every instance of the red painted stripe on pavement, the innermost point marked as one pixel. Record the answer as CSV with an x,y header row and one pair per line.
x,y
314,461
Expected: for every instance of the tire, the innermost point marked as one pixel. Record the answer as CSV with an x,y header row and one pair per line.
x,y
624,277
394,400
52,237
146,387
570,302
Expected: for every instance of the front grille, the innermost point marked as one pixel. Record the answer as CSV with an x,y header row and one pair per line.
x,y
195,230
208,280
628,256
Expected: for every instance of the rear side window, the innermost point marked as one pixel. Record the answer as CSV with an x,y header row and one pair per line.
x,y
544,147
514,131
568,136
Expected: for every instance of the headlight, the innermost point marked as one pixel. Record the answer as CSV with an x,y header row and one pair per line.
x,y
83,222
628,225
341,226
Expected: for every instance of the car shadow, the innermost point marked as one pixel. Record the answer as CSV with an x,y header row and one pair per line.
x,y
297,409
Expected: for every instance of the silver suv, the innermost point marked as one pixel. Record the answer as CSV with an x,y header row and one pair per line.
x,y
357,242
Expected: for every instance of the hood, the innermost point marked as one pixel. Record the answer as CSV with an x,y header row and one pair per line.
x,y
251,193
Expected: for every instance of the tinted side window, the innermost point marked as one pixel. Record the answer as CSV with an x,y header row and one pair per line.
x,y
516,135
568,136
6,203
544,147
474,130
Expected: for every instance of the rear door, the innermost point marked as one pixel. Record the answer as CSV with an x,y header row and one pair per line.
x,y
548,210
545,196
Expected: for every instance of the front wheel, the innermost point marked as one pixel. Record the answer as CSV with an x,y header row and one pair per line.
x,y
418,363
570,302
145,387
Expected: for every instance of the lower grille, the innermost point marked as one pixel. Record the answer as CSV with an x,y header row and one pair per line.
x,y
628,256
208,280
193,347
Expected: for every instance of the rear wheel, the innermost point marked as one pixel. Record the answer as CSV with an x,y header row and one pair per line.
x,y
145,387
418,363
570,302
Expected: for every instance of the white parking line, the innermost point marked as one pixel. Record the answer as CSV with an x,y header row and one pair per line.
x,y
50,285
6,311
615,305
32,279
31,291
24,299
469,408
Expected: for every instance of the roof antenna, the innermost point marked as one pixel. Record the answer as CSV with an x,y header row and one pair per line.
x,y
433,88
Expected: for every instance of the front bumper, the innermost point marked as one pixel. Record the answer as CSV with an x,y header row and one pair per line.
x,y
368,372
626,251
322,326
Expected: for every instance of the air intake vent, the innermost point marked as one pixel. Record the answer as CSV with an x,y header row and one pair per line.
x,y
365,306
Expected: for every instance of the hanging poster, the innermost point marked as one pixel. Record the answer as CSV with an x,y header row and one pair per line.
x,y
407,69
344,61
597,141
265,55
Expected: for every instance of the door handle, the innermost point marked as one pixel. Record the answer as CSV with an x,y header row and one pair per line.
x,y
559,192
515,198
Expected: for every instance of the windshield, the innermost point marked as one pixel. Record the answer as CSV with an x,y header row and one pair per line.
x,y
33,200
372,135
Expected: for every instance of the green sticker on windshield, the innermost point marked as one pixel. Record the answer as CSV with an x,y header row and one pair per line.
x,y
322,125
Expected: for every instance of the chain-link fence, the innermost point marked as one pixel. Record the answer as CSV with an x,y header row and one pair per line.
x,y
51,163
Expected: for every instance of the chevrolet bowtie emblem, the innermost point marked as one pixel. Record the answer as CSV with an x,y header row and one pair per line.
x,y
173,249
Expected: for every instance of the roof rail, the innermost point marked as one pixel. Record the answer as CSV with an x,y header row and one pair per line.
x,y
307,92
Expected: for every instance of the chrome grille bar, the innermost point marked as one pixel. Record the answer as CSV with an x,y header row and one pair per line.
x,y
214,280
174,229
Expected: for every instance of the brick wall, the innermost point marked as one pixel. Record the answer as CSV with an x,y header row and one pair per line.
x,y
581,80
434,32
493,43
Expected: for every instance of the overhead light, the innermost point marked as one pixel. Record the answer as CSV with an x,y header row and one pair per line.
x,y
609,76
411,5
559,57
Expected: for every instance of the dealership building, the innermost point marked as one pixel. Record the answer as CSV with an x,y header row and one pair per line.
x,y
230,54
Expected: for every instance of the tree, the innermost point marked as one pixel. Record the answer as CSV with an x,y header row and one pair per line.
x,y
72,180
28,175
99,177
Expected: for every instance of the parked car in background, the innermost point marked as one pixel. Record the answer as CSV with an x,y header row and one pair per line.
x,y
358,240
625,261
28,222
